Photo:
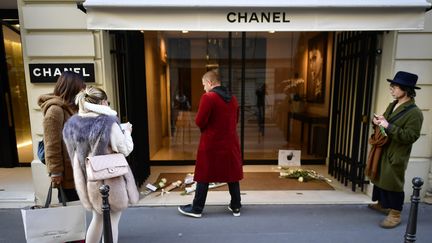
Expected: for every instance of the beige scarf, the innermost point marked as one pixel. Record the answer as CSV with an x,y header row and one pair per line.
x,y
377,140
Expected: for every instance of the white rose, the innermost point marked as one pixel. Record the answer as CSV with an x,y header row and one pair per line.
x,y
284,174
300,179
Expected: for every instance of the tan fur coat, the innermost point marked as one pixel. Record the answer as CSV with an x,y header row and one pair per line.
x,y
56,113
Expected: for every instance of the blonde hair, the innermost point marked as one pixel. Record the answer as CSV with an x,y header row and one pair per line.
x,y
212,76
90,94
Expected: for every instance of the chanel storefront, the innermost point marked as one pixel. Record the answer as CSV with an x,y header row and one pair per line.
x,y
285,61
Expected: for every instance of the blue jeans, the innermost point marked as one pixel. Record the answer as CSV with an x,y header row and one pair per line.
x,y
201,195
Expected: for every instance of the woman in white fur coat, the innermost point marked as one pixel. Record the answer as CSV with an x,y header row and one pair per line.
x,y
95,130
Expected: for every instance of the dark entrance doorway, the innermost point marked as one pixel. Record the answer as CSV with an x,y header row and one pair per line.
x,y
354,78
127,52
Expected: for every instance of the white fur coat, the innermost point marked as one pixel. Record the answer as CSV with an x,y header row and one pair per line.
x,y
95,132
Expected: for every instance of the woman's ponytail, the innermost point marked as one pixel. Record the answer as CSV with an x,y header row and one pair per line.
x,y
80,99
91,95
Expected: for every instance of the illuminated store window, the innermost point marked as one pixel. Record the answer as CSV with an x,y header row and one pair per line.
x,y
286,83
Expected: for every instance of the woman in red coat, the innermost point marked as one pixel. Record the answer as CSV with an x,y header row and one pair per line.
x,y
219,158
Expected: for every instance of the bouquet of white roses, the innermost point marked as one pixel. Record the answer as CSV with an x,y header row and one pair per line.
x,y
171,187
188,179
301,174
192,188
152,187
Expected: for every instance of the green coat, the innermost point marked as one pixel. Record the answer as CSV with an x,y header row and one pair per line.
x,y
395,155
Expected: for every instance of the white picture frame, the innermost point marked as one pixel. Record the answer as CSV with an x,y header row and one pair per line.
x,y
289,158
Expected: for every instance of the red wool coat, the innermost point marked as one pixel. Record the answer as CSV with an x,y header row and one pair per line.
x,y
218,158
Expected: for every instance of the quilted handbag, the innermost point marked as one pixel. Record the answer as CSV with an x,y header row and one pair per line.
x,y
107,166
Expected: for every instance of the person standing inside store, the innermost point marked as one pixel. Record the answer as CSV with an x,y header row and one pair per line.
x,y
57,108
95,130
397,129
260,93
218,157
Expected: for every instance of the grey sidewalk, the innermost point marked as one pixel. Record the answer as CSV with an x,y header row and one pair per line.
x,y
263,223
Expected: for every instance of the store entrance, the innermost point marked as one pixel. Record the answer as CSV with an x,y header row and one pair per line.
x,y
285,83
282,81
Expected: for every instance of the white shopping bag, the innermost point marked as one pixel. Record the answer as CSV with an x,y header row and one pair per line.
x,y
55,224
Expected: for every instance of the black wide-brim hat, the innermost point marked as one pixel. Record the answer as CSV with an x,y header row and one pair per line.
x,y
405,79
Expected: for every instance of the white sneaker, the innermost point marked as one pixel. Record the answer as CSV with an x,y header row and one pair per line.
x,y
236,212
188,211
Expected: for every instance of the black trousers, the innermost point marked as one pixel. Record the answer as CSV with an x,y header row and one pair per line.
x,y
201,195
388,199
70,194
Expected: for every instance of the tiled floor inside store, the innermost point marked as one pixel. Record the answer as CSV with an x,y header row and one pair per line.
x,y
17,190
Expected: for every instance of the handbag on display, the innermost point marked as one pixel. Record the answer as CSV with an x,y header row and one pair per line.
x,y
51,224
107,166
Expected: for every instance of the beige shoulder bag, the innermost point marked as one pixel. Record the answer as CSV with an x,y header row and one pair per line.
x,y
107,166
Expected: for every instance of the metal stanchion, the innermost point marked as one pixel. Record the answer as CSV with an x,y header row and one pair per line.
x,y
410,234
107,231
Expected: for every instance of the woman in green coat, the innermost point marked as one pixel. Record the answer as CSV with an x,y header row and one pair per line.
x,y
402,122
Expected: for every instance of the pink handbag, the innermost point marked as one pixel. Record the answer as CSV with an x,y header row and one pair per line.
x,y
107,166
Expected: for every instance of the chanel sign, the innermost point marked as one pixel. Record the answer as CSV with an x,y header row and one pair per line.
x,y
49,72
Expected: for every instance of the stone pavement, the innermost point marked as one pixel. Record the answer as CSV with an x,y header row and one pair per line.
x,y
258,223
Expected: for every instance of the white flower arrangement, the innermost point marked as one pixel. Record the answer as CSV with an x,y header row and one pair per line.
x,y
292,83
154,187
192,188
300,174
161,183
188,179
171,187
189,189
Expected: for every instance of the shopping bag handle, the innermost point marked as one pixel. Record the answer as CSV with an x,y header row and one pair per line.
x,y
49,196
